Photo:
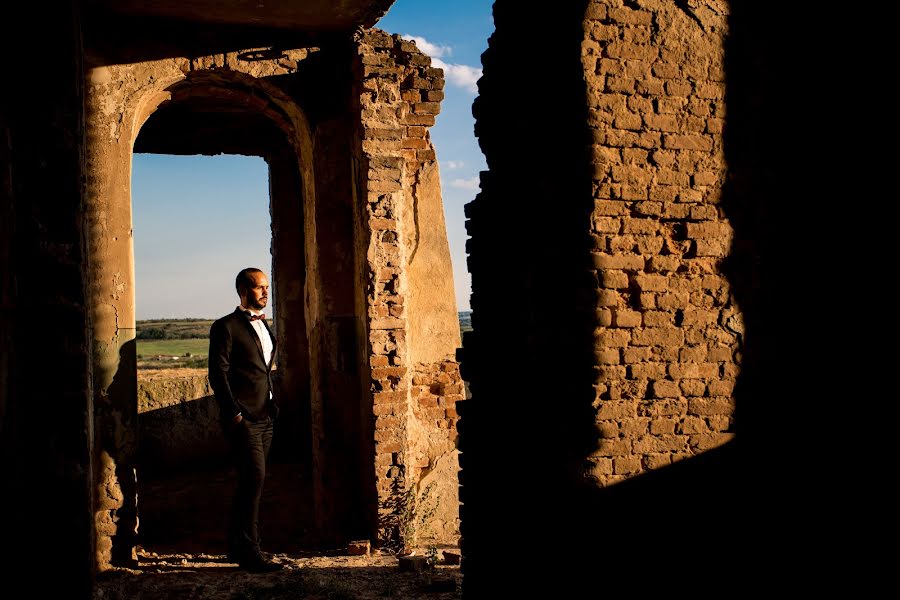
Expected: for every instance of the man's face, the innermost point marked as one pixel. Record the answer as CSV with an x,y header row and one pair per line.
x,y
256,296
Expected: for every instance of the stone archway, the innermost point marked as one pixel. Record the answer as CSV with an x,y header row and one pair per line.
x,y
203,111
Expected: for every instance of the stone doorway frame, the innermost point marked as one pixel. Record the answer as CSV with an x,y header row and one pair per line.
x,y
114,124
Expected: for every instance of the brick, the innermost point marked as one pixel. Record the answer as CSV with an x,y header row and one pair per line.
x,y
708,229
604,373
389,397
673,301
688,142
388,323
655,371
694,370
715,125
640,226
628,121
636,427
651,87
658,336
720,388
661,443
665,122
627,318
663,193
711,440
689,195
414,143
712,248
720,422
426,108
652,283
694,317
608,298
622,85
628,16
657,461
613,279
659,318
388,447
679,88
608,356
670,105
609,66
616,410
721,354
617,261
416,119
692,387
600,466
637,35
691,425
634,192
608,447
627,465
387,423
610,338
665,70
603,208
636,355
640,105
664,389
650,209
709,90
704,213
711,406
664,264
428,402
663,426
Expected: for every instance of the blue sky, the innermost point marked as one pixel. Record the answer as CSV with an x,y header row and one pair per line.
x,y
198,220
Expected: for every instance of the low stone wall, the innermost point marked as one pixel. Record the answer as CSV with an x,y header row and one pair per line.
x,y
178,420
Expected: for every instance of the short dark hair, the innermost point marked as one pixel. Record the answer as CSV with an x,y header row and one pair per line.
x,y
243,280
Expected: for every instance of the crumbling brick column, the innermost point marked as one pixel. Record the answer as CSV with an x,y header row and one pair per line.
x,y
413,333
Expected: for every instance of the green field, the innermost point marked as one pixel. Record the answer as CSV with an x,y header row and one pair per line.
x,y
188,339
150,348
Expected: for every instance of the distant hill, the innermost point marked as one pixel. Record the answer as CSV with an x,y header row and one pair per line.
x,y
173,329
190,329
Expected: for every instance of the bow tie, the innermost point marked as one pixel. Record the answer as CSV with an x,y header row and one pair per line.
x,y
253,317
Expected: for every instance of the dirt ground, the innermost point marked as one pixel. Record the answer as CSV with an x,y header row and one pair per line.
x,y
313,576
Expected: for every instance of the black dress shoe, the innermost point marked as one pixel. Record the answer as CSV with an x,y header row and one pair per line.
x,y
260,564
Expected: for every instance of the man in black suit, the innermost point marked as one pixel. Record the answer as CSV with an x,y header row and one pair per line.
x,y
241,354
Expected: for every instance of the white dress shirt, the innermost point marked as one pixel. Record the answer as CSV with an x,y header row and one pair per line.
x,y
262,333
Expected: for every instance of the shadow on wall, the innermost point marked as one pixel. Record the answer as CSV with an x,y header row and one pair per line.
x,y
185,480
732,516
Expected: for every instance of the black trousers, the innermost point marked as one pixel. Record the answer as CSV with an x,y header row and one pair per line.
x,y
249,445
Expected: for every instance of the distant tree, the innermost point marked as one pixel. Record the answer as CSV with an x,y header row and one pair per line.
x,y
152,333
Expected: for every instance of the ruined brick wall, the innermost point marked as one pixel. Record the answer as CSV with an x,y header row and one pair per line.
x,y
414,391
613,313
668,336
178,421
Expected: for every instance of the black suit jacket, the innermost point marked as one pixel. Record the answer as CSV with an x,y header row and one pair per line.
x,y
240,378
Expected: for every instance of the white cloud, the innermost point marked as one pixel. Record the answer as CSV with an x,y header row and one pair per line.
x,y
462,76
470,184
432,50
454,164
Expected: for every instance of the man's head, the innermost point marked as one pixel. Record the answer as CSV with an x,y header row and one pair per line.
x,y
253,288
